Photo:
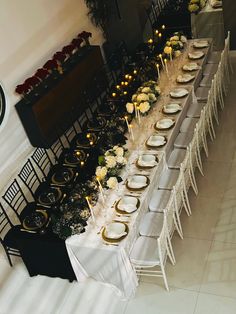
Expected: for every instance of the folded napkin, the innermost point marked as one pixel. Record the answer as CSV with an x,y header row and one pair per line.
x,y
191,66
136,185
179,92
184,78
113,235
196,55
144,163
129,208
115,230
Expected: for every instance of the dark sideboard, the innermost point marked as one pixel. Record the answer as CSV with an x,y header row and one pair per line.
x,y
48,107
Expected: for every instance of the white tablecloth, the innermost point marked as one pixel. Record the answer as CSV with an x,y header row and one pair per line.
x,y
110,264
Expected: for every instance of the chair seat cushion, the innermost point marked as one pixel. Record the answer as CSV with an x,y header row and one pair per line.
x,y
176,158
195,109
183,140
188,125
145,252
210,69
214,57
151,224
202,93
168,179
159,200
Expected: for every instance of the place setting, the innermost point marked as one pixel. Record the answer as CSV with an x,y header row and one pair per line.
x,y
36,222
190,67
164,123
146,161
137,182
50,196
194,55
114,232
179,92
171,108
200,43
156,141
185,78
127,205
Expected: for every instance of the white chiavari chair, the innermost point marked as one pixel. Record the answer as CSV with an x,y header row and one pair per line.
x,y
148,253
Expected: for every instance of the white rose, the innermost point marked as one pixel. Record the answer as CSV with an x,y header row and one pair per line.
x,y
167,50
101,172
146,90
180,44
168,43
121,160
130,107
119,151
152,97
112,182
183,39
144,106
177,53
142,97
110,161
175,38
134,97
157,89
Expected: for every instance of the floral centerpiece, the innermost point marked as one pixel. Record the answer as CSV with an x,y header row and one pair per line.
x,y
144,98
175,44
195,6
110,166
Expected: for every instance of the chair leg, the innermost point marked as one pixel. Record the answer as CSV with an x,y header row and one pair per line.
x,y
164,277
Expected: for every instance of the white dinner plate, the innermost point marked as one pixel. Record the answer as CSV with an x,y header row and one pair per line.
x,y
115,230
200,43
185,78
165,123
156,140
196,55
147,160
179,92
137,181
172,108
128,203
191,66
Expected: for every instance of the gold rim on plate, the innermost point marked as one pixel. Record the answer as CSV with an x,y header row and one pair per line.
x,y
146,167
123,212
164,129
93,139
54,181
109,240
154,146
44,213
57,198
138,189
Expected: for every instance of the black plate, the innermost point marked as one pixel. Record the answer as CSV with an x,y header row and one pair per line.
x,y
62,176
35,220
51,196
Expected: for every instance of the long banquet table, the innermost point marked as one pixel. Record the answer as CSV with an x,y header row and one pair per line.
x,y
89,254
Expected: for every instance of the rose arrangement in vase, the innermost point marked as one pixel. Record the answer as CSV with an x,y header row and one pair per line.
x,y
144,98
110,166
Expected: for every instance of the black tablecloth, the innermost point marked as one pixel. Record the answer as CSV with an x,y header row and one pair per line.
x,y
45,255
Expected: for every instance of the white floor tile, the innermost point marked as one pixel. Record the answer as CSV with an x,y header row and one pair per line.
x,y
220,271
152,299
209,304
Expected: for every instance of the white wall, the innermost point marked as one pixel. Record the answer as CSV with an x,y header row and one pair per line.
x,y
31,32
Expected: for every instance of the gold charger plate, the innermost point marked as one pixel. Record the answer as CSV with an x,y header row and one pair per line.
x,y
93,139
123,212
49,203
80,155
54,181
34,228
145,167
155,147
109,240
138,189
164,129
97,127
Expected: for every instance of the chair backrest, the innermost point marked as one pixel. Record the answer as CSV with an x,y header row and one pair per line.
x,y
5,222
42,160
57,148
15,198
162,243
29,177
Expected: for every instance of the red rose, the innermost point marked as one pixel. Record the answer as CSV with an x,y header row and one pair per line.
x,y
77,42
22,89
59,56
50,65
68,49
32,81
85,35
41,74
